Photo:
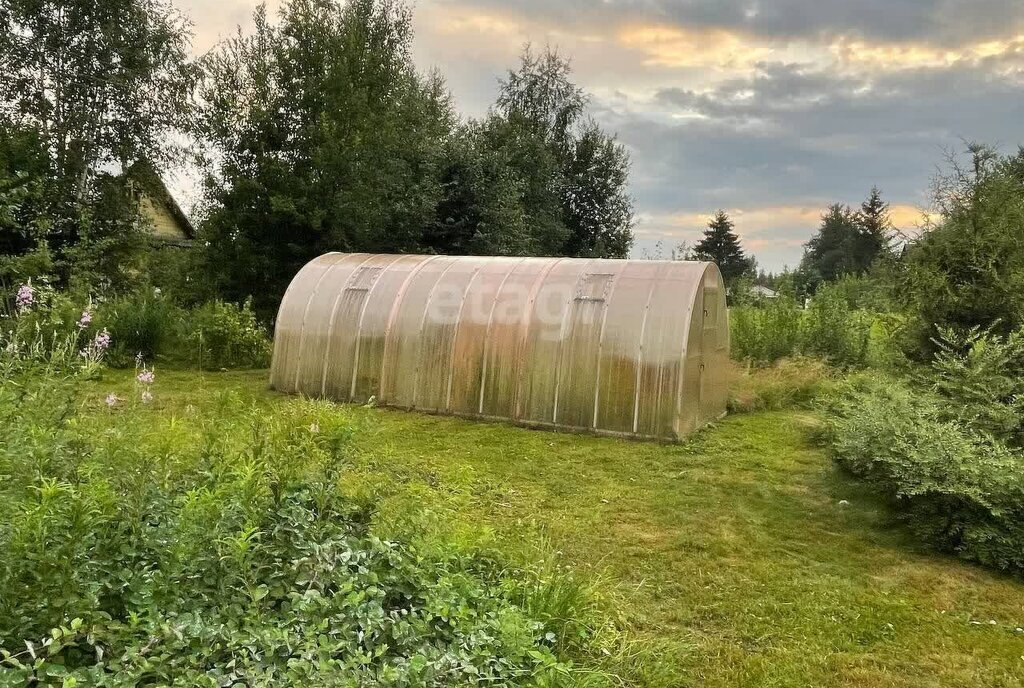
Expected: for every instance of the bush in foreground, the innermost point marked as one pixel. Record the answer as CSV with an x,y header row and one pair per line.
x,y
944,448
217,550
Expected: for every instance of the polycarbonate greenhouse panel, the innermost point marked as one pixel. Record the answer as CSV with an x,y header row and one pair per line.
x,y
623,347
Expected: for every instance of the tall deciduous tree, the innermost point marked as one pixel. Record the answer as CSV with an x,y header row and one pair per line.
x,y
103,81
23,170
481,210
721,245
328,139
597,208
575,174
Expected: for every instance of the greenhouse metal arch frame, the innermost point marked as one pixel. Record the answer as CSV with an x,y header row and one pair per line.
x,y
621,347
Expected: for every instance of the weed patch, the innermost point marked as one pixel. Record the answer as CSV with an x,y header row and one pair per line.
x,y
217,548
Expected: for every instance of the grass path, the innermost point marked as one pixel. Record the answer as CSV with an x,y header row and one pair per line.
x,y
729,555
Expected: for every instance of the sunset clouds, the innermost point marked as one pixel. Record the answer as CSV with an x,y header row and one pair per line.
x,y
770,109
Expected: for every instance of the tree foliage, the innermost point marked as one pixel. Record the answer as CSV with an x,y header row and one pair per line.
x,y
23,170
536,176
968,269
329,139
100,81
92,85
481,210
598,211
721,245
575,174
848,242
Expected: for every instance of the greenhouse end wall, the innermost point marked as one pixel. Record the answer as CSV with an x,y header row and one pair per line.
x,y
624,347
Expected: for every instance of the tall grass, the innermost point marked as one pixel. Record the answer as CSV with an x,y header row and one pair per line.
x,y
143,323
789,383
213,335
765,334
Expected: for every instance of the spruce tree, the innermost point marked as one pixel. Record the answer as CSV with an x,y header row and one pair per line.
x,y
875,226
847,243
829,254
720,245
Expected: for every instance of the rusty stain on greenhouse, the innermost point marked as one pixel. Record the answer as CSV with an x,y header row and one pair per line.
x,y
622,347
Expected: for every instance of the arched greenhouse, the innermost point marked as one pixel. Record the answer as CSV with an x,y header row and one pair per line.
x,y
623,347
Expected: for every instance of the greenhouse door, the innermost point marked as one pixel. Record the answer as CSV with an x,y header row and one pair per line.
x,y
708,343
580,356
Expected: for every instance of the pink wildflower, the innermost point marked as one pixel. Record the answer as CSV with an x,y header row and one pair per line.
x,y
95,349
101,341
86,318
25,298
146,377
111,400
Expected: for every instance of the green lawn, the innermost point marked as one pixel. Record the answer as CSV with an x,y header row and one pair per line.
x,y
728,559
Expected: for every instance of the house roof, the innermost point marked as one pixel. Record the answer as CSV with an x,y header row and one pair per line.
x,y
145,175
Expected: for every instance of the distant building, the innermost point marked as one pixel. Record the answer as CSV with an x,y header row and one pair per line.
x,y
763,292
156,204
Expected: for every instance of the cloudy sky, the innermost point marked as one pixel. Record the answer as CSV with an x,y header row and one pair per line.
x,y
770,109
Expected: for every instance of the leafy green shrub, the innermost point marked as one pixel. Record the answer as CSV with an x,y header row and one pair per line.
x,y
858,292
767,333
145,322
216,549
832,330
225,335
829,328
982,376
214,335
947,446
887,342
959,490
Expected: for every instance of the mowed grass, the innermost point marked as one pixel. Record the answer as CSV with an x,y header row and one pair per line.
x,y
728,559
